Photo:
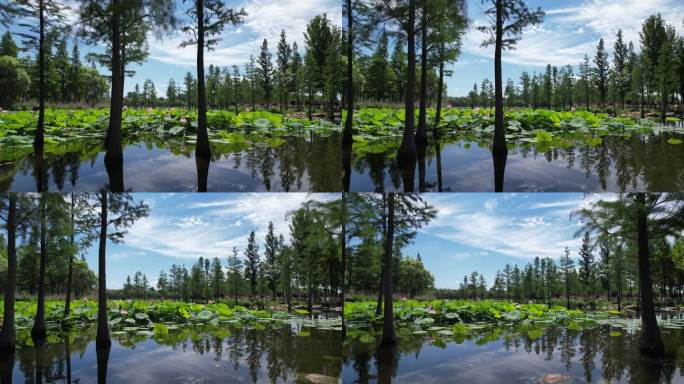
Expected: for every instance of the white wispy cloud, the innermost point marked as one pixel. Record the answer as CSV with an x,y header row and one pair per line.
x,y
214,226
519,234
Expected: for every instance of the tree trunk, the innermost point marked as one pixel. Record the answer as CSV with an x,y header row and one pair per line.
x,y
440,86
114,155
310,97
309,299
70,273
499,147
378,306
102,354
619,285
347,136
39,332
567,291
67,359
103,340
8,333
388,336
650,342
202,148
343,236
407,150
421,136
39,140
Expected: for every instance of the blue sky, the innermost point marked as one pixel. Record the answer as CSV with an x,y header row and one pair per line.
x,y
473,231
570,30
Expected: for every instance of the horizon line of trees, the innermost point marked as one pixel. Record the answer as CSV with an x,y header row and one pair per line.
x,y
124,28
293,80
68,79
279,274
639,236
651,79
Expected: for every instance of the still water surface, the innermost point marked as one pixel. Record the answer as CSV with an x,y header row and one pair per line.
x,y
274,354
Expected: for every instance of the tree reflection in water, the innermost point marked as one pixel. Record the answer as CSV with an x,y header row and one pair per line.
x,y
274,353
590,355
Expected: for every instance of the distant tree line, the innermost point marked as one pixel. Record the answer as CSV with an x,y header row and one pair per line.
x,y
651,79
603,269
307,269
293,80
67,79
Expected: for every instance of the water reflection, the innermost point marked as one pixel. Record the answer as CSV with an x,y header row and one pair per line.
x,y
467,164
521,356
310,163
272,354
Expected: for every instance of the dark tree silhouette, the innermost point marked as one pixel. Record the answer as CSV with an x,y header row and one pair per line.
x,y
209,19
508,19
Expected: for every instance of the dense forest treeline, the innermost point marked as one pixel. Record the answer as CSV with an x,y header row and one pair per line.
x,y
651,78
638,237
290,80
68,80
305,269
45,234
603,269
124,28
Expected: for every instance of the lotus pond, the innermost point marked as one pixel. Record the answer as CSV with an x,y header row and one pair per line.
x,y
548,151
178,343
252,151
490,342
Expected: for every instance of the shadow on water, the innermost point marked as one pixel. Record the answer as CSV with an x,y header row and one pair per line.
x,y
466,163
289,163
278,353
523,355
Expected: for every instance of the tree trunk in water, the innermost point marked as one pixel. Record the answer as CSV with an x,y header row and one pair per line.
x,y
103,340
650,342
102,362
70,273
39,332
499,147
8,333
388,336
440,87
39,140
202,164
67,359
202,149
347,136
407,150
499,160
114,156
343,236
421,136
